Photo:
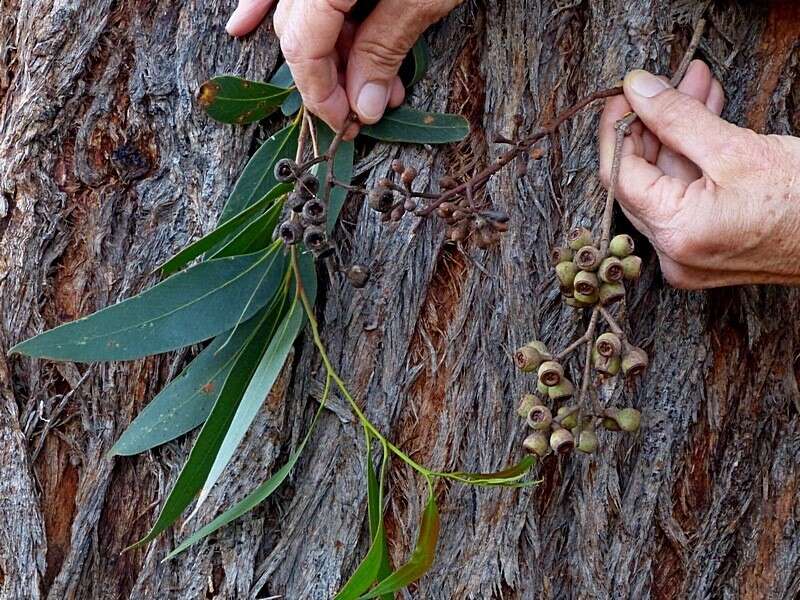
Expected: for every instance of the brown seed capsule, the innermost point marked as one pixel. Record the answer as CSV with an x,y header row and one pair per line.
x,y
608,344
459,232
531,355
587,442
621,245
314,237
409,205
385,183
386,217
537,444
445,209
568,416
397,213
381,200
586,283
539,418
566,272
284,170
408,176
550,373
358,276
579,237
398,166
499,227
610,270
629,419
561,254
564,389
495,215
295,202
307,186
607,365
634,361
611,292
632,267
561,441
527,402
290,232
314,212
487,238
587,258
536,153
447,182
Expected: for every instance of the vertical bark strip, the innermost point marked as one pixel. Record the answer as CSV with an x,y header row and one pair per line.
x,y
107,166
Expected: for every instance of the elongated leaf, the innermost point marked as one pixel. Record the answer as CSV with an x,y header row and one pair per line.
x,y
342,170
207,444
376,563
190,307
230,99
283,78
258,178
421,559
415,64
253,237
409,125
188,399
261,383
228,228
509,475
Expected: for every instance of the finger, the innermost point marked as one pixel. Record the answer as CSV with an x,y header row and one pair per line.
x,y
309,34
247,16
696,84
615,109
381,43
716,98
681,122
398,93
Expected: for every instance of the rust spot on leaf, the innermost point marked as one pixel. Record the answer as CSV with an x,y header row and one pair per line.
x,y
208,387
207,94
428,120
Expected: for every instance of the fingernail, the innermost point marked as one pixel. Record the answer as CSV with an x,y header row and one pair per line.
x,y
233,22
645,84
372,100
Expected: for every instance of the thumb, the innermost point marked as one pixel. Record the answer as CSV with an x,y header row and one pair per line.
x,y
379,47
681,122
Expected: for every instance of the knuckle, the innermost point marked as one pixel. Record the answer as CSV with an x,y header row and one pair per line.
x,y
681,247
746,150
381,53
291,46
671,111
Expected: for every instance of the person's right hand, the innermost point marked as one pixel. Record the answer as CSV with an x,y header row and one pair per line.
x,y
339,65
719,203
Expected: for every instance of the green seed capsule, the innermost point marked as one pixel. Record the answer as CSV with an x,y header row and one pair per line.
x,y
632,267
561,441
608,344
611,270
629,419
568,416
587,442
588,258
527,402
634,361
587,300
543,389
574,303
586,283
537,444
530,356
607,365
579,237
566,272
561,254
539,418
621,245
611,292
565,389
550,373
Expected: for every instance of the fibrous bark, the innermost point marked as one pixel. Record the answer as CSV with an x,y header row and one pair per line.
x,y
107,166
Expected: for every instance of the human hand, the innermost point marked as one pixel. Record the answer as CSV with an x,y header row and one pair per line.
x,y
339,65
719,203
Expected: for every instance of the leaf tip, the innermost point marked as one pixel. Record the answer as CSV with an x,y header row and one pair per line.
x,y
207,93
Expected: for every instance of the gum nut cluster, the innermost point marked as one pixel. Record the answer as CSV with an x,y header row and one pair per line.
x,y
562,433
586,277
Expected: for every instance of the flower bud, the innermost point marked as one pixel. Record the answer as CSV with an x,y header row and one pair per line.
x,y
530,356
629,419
621,245
527,402
566,271
564,389
539,418
537,444
314,212
561,441
608,344
314,238
381,200
307,186
284,170
586,283
561,254
632,266
587,442
358,275
634,361
295,202
550,373
579,237
290,232
587,258
583,300
611,270
408,176
568,416
611,292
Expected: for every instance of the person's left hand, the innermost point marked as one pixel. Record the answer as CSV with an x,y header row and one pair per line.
x,y
339,65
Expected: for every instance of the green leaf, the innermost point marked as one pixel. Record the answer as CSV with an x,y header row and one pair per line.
x,y
228,228
207,444
509,475
283,78
188,399
258,178
255,236
342,170
190,307
415,64
267,372
408,125
230,99
421,558
292,104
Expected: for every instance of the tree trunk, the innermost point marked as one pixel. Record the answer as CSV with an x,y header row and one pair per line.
x,y
107,166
